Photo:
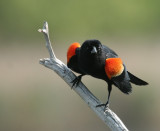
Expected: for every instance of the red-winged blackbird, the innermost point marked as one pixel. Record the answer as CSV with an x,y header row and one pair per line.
x,y
99,61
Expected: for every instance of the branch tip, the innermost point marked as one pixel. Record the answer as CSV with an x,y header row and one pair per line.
x,y
45,25
45,28
39,30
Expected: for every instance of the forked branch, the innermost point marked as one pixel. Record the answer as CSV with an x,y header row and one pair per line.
x,y
108,117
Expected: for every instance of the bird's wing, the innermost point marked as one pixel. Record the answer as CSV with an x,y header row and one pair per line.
x,y
116,72
72,57
108,50
123,82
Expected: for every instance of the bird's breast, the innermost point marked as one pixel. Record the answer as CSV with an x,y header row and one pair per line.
x,y
93,66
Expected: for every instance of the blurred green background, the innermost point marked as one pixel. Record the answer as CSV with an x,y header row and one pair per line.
x,y
34,98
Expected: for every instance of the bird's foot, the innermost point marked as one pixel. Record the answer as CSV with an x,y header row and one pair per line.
x,y
76,80
106,106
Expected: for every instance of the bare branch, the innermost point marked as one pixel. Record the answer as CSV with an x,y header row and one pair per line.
x,y
108,117
45,31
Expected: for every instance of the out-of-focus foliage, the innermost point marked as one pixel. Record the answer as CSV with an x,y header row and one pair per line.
x,y
79,18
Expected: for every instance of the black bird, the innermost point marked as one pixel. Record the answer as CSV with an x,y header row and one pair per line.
x,y
99,61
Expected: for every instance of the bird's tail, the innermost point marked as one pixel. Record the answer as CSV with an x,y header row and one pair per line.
x,y
136,80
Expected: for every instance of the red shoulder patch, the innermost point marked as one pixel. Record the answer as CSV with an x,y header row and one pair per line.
x,y
72,50
113,67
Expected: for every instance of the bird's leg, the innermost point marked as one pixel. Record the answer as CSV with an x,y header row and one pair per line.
x,y
109,93
106,105
77,80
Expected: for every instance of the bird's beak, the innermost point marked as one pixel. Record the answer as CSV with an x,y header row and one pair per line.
x,y
94,50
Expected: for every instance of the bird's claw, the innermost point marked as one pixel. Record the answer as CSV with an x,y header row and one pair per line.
x,y
76,81
106,106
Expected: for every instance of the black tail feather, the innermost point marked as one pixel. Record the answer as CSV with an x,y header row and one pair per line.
x,y
136,80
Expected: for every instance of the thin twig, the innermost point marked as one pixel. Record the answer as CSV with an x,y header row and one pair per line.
x,y
108,117
45,31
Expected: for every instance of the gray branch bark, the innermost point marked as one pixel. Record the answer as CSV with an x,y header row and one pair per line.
x,y
107,116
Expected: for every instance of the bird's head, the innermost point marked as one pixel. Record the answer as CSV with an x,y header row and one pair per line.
x,y
91,47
